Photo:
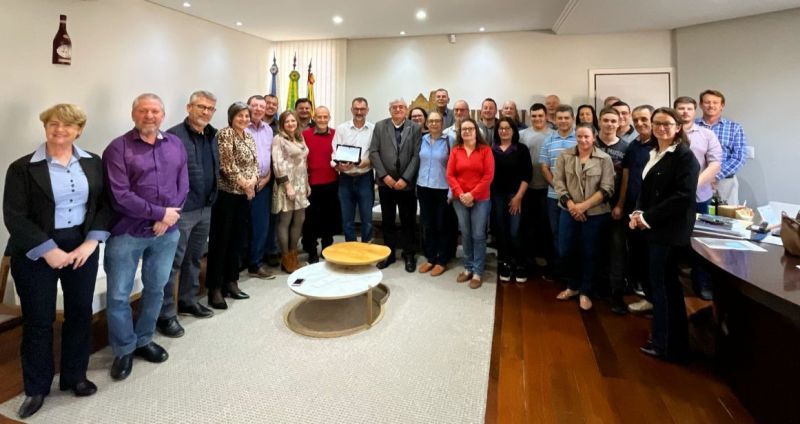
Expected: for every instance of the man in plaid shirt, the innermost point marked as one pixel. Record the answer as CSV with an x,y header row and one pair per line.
x,y
731,137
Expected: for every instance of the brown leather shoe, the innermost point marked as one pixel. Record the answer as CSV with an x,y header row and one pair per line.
x,y
463,276
427,266
438,270
262,273
476,282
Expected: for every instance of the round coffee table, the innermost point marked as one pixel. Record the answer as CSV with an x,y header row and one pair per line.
x,y
342,295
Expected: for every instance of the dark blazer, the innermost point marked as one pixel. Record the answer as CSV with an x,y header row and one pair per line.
x,y
29,207
667,198
387,159
195,199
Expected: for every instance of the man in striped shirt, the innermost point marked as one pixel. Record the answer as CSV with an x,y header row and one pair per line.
x,y
556,142
733,141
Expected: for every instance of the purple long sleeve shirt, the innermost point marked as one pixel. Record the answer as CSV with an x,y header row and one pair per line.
x,y
143,180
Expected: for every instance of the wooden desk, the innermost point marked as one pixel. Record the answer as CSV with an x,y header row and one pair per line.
x,y
757,301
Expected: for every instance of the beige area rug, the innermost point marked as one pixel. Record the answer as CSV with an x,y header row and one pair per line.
x,y
426,361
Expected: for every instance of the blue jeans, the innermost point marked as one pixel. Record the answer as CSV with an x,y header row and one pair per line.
x,y
121,261
357,192
553,215
260,217
583,237
473,225
506,228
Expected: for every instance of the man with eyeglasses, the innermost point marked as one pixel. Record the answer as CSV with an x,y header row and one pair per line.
x,y
356,180
199,138
394,152
441,98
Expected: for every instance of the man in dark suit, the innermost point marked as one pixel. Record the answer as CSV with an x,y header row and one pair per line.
x,y
394,153
200,140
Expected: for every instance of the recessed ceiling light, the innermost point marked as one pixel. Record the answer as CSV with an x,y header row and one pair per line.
x,y
337,19
402,33
421,14
238,23
187,4
481,29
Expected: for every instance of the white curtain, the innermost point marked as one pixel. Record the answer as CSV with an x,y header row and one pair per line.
x,y
328,63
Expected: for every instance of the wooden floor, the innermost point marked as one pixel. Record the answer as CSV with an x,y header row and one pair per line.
x,y
553,364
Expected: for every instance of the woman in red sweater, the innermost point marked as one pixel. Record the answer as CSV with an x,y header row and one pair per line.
x,y
470,170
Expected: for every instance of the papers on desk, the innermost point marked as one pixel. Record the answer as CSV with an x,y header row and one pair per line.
x,y
727,244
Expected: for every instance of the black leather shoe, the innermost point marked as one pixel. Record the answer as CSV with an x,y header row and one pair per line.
x,y
411,263
215,300
30,405
121,368
386,262
197,310
169,327
84,388
152,352
235,293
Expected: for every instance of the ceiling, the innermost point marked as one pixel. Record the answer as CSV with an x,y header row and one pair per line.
x,y
313,19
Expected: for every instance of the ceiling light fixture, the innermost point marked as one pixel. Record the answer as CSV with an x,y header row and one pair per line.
x,y
187,4
402,33
238,23
337,19
481,29
421,15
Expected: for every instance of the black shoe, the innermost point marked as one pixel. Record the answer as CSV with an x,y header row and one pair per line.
x,y
197,310
411,263
504,271
121,368
386,262
521,273
84,388
313,257
152,352
215,299
235,293
618,305
169,327
648,349
30,406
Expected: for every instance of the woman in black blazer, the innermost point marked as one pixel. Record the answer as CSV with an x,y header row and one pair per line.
x,y
665,211
56,213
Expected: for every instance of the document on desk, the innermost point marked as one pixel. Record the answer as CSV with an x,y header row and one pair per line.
x,y
728,244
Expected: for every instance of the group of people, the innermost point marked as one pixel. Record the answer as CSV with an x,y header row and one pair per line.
x,y
580,195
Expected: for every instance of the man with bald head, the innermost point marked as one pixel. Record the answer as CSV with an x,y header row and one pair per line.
x,y
394,152
460,113
551,103
323,213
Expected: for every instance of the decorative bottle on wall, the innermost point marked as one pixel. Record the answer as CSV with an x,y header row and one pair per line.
x,y
62,45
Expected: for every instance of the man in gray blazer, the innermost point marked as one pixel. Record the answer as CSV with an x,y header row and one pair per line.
x,y
394,153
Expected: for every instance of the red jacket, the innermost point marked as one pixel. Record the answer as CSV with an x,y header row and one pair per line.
x,y
320,150
471,174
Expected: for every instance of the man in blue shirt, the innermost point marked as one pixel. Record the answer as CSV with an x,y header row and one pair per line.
x,y
557,142
733,141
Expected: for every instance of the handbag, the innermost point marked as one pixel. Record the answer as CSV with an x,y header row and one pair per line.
x,y
790,233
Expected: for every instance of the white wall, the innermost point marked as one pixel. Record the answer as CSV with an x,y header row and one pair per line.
x,y
519,66
755,62
120,48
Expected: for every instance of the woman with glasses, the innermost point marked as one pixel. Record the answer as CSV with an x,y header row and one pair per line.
x,y
470,170
665,213
583,181
238,175
512,171
419,116
432,192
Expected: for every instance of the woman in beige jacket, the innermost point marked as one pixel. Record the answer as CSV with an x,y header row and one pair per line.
x,y
290,198
584,181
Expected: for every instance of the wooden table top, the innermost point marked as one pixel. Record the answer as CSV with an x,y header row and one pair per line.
x,y
355,253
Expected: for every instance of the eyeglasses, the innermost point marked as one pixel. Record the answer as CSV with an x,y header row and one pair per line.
x,y
434,121
204,108
664,124
467,129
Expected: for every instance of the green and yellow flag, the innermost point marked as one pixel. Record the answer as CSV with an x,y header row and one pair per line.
x,y
294,77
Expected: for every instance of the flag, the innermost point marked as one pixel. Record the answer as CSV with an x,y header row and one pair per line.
x,y
294,77
274,71
310,88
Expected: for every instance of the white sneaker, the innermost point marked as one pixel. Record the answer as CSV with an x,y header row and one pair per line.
x,y
640,306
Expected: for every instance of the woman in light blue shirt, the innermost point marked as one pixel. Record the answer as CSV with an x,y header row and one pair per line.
x,y
432,191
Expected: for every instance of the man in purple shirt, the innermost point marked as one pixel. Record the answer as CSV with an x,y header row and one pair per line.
x,y
262,202
147,179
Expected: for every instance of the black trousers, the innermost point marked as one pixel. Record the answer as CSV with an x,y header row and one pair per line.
x,y
36,284
323,216
436,237
535,225
226,239
406,202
